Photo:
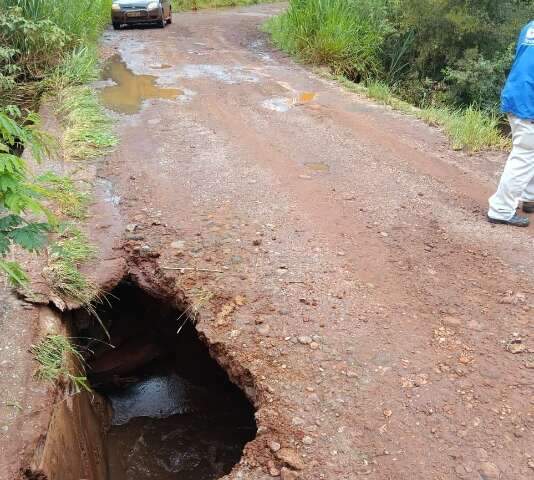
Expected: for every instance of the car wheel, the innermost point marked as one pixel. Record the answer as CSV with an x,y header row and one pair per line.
x,y
162,21
116,26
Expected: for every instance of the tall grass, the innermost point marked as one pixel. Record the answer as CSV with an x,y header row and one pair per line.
x,y
79,18
344,34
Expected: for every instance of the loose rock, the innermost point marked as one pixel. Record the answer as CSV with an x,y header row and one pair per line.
x,y
488,471
274,446
290,458
286,474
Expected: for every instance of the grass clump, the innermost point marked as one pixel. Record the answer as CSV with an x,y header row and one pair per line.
x,y
62,272
65,196
54,354
473,130
83,19
88,130
343,34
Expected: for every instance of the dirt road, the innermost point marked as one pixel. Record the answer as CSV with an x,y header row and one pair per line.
x,y
364,303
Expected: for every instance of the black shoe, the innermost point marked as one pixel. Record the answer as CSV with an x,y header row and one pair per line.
x,y
515,221
528,207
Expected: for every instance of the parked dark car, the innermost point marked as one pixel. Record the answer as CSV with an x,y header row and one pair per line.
x,y
128,12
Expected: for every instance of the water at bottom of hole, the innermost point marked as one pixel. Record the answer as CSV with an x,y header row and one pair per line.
x,y
203,441
176,415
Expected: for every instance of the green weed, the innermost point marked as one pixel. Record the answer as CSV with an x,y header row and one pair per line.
x,y
79,18
54,353
88,130
345,35
79,67
473,130
66,197
71,249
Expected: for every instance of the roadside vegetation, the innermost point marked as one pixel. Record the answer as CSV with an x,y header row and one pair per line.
x,y
448,58
60,360
48,49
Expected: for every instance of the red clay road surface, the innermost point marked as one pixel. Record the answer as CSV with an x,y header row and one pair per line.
x,y
384,329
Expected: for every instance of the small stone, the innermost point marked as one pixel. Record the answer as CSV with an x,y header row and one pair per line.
x,y
529,363
131,227
304,340
291,458
297,421
274,446
286,474
516,346
264,329
451,321
314,345
384,234
178,245
307,440
488,471
530,463
256,242
273,471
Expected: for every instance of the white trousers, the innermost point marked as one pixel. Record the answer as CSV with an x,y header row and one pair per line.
x,y
517,181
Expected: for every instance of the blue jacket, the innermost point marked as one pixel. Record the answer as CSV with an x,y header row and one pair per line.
x,y
518,94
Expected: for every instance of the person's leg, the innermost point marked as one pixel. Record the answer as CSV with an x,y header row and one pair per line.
x,y
518,171
528,194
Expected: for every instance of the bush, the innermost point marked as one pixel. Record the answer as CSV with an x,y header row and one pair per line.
x,y
477,80
19,202
462,44
346,35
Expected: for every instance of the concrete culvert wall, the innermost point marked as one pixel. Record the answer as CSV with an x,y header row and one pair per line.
x,y
162,409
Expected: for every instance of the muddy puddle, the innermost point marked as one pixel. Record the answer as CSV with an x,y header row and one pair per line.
x,y
284,104
318,166
305,97
130,90
174,414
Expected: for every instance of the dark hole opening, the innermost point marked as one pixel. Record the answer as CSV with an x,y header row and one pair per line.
x,y
176,415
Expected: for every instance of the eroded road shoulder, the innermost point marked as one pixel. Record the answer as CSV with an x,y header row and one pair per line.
x,y
345,274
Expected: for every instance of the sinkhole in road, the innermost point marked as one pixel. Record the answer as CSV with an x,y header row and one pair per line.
x,y
175,413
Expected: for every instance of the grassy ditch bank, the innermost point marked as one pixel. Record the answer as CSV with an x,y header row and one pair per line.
x,y
49,49
447,58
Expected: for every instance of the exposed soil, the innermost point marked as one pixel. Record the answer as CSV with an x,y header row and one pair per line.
x,y
337,255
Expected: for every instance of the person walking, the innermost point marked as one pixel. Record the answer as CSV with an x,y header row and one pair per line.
x,y
517,101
